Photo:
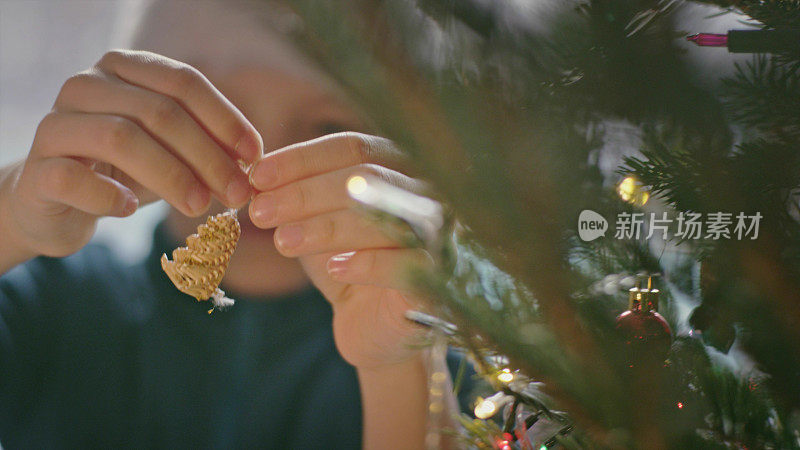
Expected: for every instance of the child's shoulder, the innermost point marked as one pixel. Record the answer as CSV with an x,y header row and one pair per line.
x,y
93,280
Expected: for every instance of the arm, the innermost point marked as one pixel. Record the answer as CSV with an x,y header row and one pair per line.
x,y
359,269
395,404
134,128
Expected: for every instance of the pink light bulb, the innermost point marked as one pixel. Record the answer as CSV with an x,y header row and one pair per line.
x,y
709,39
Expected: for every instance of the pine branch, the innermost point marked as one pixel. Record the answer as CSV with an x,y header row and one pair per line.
x,y
766,97
505,133
772,13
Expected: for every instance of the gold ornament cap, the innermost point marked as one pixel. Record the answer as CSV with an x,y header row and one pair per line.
x,y
634,298
643,299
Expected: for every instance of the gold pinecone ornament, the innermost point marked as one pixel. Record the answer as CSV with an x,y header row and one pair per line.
x,y
198,268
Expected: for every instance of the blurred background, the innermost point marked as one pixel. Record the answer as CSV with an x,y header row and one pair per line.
x,y
42,43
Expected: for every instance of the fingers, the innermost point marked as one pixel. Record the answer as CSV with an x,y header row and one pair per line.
x,y
69,182
168,122
190,89
335,232
325,154
316,195
388,268
123,144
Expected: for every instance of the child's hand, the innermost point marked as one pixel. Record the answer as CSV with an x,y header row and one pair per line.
x,y
348,257
134,128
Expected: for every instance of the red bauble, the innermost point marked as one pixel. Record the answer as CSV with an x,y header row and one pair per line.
x,y
646,335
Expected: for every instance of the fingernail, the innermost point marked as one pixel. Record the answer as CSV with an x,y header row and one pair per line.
x,y
198,199
249,147
264,175
131,204
238,190
337,265
264,210
289,236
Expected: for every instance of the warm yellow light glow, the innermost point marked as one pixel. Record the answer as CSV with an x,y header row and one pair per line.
x,y
438,377
632,191
627,188
436,407
356,184
505,376
485,409
644,198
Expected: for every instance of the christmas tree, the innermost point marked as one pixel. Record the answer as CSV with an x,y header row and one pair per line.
x,y
511,115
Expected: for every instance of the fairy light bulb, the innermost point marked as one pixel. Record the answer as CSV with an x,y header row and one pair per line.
x,y
424,215
505,376
489,406
502,444
356,185
632,191
485,409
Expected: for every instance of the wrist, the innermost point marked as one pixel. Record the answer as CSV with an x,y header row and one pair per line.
x,y
12,249
396,404
416,363
394,399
